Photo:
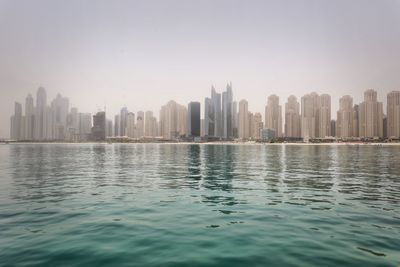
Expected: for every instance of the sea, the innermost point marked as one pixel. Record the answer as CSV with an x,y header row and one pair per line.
x,y
199,205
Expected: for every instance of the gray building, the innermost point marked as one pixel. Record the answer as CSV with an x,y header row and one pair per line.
x,y
193,118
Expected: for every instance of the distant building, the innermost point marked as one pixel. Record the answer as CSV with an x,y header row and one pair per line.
x,y
333,128
123,122
292,118
193,118
371,116
130,125
315,116
257,126
273,115
16,132
99,126
345,118
117,126
393,114
243,119
173,120
109,128
140,124
85,126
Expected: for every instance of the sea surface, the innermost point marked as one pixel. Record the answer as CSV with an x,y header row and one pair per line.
x,y
199,205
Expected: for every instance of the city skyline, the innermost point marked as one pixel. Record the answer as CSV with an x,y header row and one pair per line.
x,y
142,54
224,119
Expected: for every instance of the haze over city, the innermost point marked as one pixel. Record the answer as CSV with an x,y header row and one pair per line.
x,y
143,54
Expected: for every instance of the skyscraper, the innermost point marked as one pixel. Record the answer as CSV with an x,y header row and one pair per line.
x,y
40,114
85,126
324,117
16,132
193,118
130,125
99,126
393,114
140,124
59,113
345,117
217,113
292,118
273,115
29,118
227,112
243,119
257,125
117,126
371,115
150,124
173,120
309,116
122,123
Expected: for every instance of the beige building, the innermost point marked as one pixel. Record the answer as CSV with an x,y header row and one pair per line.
x,y
150,124
324,116
273,115
393,114
292,117
315,116
243,119
345,117
130,125
257,125
371,115
140,124
172,120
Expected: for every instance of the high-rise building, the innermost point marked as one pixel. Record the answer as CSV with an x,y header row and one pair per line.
x,y
257,125
315,116
208,117
109,128
345,117
243,119
273,115
117,126
40,115
149,130
309,116
227,112
123,122
356,126
173,120
235,116
72,125
16,132
333,128
393,114
292,118
130,125
99,126
193,119
59,113
140,124
324,129
371,116
29,118
85,126
217,113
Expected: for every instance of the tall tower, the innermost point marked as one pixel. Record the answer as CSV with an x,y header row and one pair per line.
x,y
193,118
243,119
122,123
324,116
273,115
227,110
140,124
292,118
371,115
40,114
393,114
345,117
309,116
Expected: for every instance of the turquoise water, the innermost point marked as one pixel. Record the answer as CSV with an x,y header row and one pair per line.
x,y
199,205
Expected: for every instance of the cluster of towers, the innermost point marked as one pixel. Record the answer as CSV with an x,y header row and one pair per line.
x,y
49,121
224,119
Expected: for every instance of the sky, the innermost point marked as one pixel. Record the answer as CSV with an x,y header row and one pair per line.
x,y
141,54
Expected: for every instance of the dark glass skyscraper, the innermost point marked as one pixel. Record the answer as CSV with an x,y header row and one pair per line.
x,y
99,126
193,119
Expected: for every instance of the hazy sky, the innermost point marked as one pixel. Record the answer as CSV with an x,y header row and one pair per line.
x,y
143,53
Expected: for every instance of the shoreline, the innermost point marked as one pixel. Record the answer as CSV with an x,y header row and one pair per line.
x,y
209,143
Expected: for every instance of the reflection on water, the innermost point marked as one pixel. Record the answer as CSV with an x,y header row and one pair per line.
x,y
252,204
